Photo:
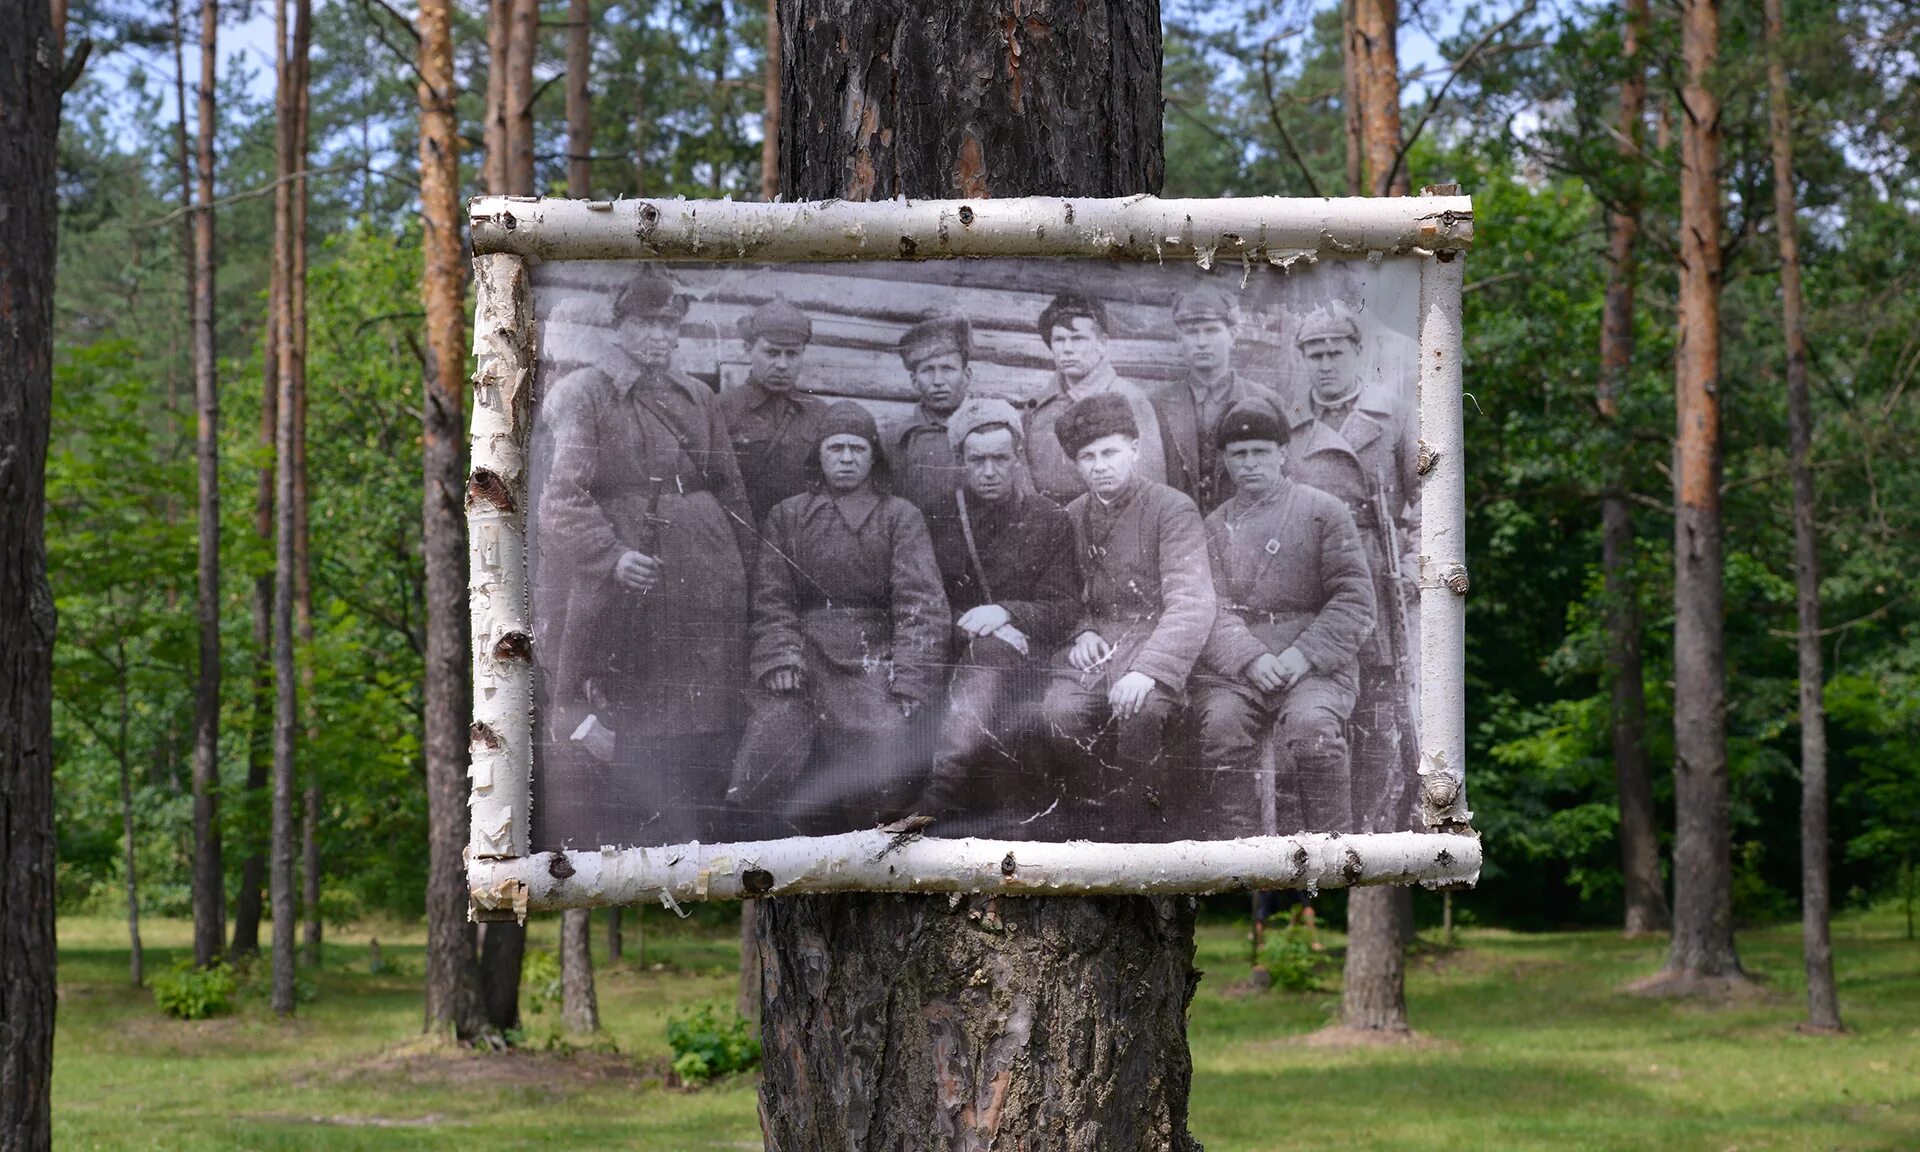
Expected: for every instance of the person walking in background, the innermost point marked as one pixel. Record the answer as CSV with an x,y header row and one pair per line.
x,y
1076,332
936,352
1147,611
1191,410
849,636
1296,602
770,417
1006,557
645,508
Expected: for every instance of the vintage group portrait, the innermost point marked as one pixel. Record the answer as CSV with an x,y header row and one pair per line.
x,y
1018,548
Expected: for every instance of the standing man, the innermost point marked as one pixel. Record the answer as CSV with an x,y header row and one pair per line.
x,y
644,509
849,636
936,352
1147,611
770,418
1075,330
1006,557
1191,410
1362,449
1296,601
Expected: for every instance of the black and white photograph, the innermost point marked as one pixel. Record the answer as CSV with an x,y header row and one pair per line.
x,y
1016,548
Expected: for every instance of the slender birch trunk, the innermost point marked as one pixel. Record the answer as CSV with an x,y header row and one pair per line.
x,y
1646,897
209,878
1816,930
453,978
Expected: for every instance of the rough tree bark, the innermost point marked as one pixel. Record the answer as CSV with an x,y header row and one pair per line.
x,y
1823,1002
579,101
579,1007
209,878
1356,148
523,44
770,117
300,91
910,1021
1702,956
1646,895
747,1002
453,977
1379,920
29,210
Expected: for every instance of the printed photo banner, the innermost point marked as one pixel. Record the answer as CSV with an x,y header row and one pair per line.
x,y
1030,546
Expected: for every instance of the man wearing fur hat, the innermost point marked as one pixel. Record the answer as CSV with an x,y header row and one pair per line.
x,y
1191,410
936,353
849,637
1296,600
1362,448
1146,613
644,510
1076,333
770,416
1006,556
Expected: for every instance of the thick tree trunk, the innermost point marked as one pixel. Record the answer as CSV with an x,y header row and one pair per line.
x,y
453,978
770,117
29,211
1823,1002
579,1007
503,952
1645,892
1355,138
1702,854
579,101
879,1028
494,127
209,878
1373,996
523,44
1375,50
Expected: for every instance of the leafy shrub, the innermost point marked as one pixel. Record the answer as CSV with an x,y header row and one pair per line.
x,y
191,993
708,1042
540,978
1292,964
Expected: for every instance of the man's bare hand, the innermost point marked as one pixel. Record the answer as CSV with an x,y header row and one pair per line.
x,y
1265,673
1293,666
638,572
1129,694
1088,651
781,680
983,621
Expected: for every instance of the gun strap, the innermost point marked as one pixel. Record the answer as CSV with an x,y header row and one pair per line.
x,y
973,553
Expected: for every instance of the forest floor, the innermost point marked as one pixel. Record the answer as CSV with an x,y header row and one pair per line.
x,y
1527,1045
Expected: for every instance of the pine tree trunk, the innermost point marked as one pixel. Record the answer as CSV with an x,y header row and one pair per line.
x,y
453,978
1373,995
1703,946
770,117
136,958
1823,1002
253,870
286,689
523,43
494,128
1645,892
503,953
1350,100
300,74
579,1007
29,212
879,1031
747,1003
579,101
1376,30
209,878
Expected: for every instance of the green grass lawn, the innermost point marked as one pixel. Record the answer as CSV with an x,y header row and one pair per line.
x,y
1528,1047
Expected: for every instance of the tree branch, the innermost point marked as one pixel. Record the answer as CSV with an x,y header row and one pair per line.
x,y
1453,73
1273,114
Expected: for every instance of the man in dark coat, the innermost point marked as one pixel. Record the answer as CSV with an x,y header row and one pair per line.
x,y
1190,410
1296,600
936,353
1076,332
1006,557
1147,610
644,510
770,416
1362,447
849,636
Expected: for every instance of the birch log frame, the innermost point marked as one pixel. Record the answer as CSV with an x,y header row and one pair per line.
x,y
506,882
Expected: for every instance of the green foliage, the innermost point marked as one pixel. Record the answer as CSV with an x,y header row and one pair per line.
x,y
190,993
540,978
1292,962
709,1042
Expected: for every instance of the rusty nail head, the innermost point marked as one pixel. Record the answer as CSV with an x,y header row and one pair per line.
x,y
1007,865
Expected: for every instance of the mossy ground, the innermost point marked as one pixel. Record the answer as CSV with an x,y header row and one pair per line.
x,y
1528,1045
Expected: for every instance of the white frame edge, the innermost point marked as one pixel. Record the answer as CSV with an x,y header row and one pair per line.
x,y
505,882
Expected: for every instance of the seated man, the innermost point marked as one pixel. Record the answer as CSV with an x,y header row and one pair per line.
x,y
849,633
1296,601
1147,610
1006,556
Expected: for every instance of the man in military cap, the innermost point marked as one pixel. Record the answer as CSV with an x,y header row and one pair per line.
x,y
644,511
1006,558
1146,613
936,352
1296,600
1191,410
1361,446
1076,332
770,416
